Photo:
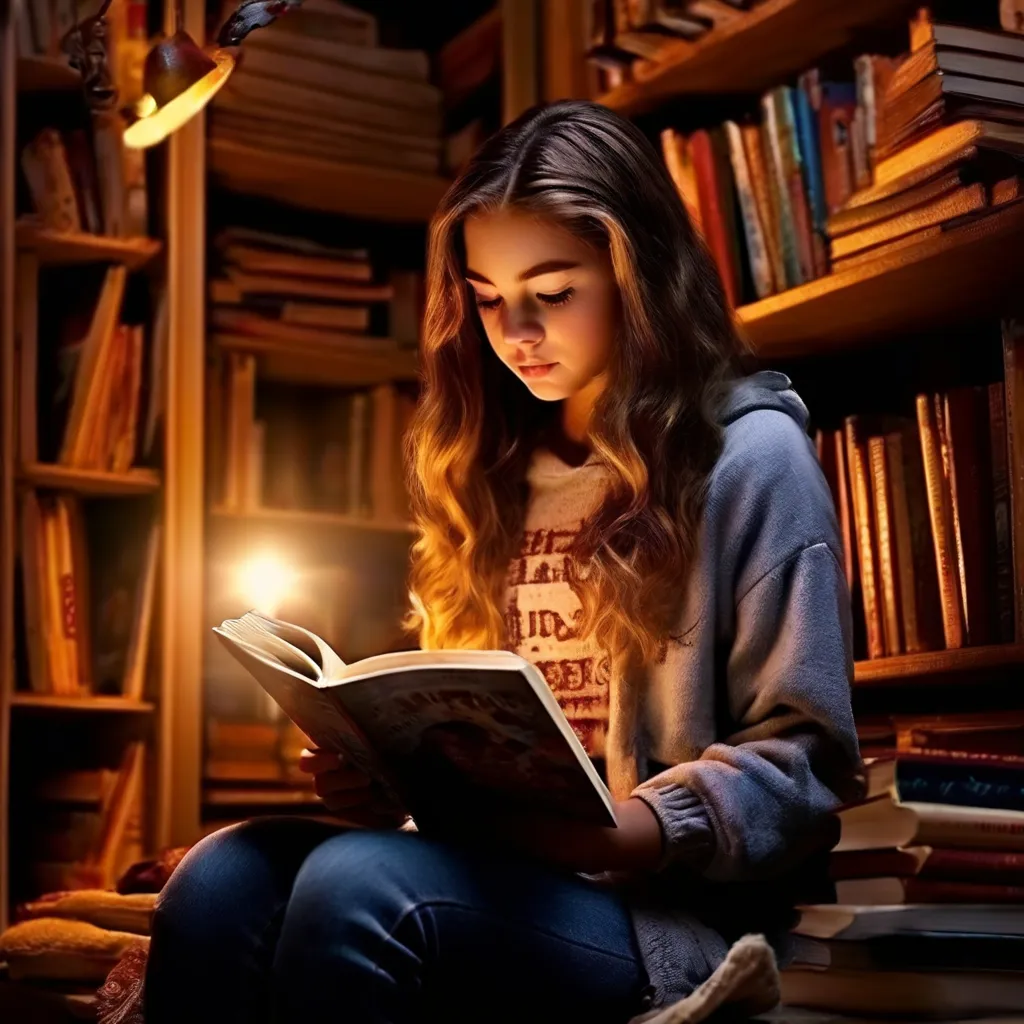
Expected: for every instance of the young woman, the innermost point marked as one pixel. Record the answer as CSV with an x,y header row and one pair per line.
x,y
596,488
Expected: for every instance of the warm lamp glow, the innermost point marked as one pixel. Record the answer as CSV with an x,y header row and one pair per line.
x,y
166,119
265,581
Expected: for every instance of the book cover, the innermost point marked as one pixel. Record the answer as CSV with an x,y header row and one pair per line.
x,y
767,209
779,184
838,106
679,161
796,177
444,731
884,539
716,208
810,150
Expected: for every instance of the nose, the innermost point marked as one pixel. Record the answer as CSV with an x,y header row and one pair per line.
x,y
521,327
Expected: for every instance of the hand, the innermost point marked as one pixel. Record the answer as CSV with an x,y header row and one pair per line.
x,y
348,792
636,845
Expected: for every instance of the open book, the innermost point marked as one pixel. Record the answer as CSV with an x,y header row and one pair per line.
x,y
447,732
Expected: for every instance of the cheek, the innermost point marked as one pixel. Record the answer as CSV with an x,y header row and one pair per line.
x,y
588,329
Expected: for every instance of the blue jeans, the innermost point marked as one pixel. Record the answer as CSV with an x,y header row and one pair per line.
x,y
286,920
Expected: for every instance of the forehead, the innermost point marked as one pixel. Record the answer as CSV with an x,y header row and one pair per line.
x,y
508,241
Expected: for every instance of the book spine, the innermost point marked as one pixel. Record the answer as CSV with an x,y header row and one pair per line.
x,y
797,178
45,165
999,866
33,582
844,503
764,196
810,150
964,785
857,460
679,162
886,549
927,890
902,542
835,119
778,179
928,409
1001,512
973,520
760,262
713,215
972,827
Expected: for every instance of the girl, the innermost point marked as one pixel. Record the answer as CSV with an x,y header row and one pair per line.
x,y
596,488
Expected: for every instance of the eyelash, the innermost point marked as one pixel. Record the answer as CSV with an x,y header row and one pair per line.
x,y
556,299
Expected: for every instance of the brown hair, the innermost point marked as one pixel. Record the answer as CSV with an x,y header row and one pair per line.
x,y
654,427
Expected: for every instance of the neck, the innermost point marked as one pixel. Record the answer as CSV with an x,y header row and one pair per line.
x,y
578,409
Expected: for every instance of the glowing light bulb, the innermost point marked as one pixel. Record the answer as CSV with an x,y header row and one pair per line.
x,y
265,581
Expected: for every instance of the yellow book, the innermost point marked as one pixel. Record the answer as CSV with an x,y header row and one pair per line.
x,y
55,645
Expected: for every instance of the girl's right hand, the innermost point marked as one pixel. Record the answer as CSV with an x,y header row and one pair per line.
x,y
348,792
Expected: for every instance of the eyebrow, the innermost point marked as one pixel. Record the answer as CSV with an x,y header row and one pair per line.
x,y
547,267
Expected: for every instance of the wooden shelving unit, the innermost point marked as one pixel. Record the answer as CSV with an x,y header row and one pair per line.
x,y
974,265
762,47
371,193
966,665
237,797
89,704
321,364
46,74
56,247
308,519
91,482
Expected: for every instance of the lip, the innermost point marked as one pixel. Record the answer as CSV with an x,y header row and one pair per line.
x,y
534,371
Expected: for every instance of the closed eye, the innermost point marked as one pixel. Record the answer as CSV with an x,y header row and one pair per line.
x,y
483,303
557,298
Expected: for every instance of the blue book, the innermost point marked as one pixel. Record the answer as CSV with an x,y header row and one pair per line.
x,y
810,150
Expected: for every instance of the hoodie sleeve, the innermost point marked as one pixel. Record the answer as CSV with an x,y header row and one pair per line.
x,y
758,802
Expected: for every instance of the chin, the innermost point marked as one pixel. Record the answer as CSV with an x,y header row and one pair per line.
x,y
547,391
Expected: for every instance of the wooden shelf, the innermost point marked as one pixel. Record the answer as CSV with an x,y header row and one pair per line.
x,y
46,74
370,193
765,46
925,669
242,797
52,702
54,247
970,269
322,364
93,482
292,517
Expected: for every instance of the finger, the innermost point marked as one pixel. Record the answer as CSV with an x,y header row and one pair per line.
x,y
313,761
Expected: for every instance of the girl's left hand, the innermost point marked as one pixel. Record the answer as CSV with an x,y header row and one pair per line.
x,y
636,845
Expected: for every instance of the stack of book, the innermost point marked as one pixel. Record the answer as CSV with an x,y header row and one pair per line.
x,y
253,751
308,448
299,291
923,508
89,590
621,34
929,877
949,136
316,84
86,825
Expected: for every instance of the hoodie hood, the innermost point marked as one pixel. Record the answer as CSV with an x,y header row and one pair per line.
x,y
767,389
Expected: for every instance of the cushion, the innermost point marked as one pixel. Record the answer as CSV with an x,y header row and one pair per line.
x,y
100,907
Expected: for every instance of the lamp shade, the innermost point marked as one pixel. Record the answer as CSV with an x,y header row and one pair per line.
x,y
179,80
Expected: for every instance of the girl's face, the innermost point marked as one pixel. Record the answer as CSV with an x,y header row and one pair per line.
x,y
548,301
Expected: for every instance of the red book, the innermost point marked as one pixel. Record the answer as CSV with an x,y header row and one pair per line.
x,y
994,866
715,213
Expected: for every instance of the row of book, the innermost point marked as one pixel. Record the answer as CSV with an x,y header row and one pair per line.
x,y
924,513
251,751
85,826
308,448
929,877
317,84
307,294
84,179
621,35
89,591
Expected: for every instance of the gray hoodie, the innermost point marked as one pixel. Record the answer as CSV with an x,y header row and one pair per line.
x,y
744,735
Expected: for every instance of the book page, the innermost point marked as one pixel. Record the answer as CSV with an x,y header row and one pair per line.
x,y
249,631
305,640
459,739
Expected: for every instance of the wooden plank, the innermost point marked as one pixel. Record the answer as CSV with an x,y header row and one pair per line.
x,y
93,482
306,519
259,797
176,793
564,66
326,364
520,57
968,271
89,704
7,430
926,668
59,247
771,42
27,358
371,193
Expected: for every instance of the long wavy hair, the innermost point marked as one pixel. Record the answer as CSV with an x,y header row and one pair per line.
x,y
654,427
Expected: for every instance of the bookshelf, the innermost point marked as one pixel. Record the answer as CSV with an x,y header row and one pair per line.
x,y
371,193
304,519
968,664
56,248
761,47
33,88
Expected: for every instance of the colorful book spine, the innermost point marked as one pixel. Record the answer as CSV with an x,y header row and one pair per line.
x,y
778,183
713,214
753,229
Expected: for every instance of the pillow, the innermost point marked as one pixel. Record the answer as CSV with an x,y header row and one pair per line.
x,y
95,906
